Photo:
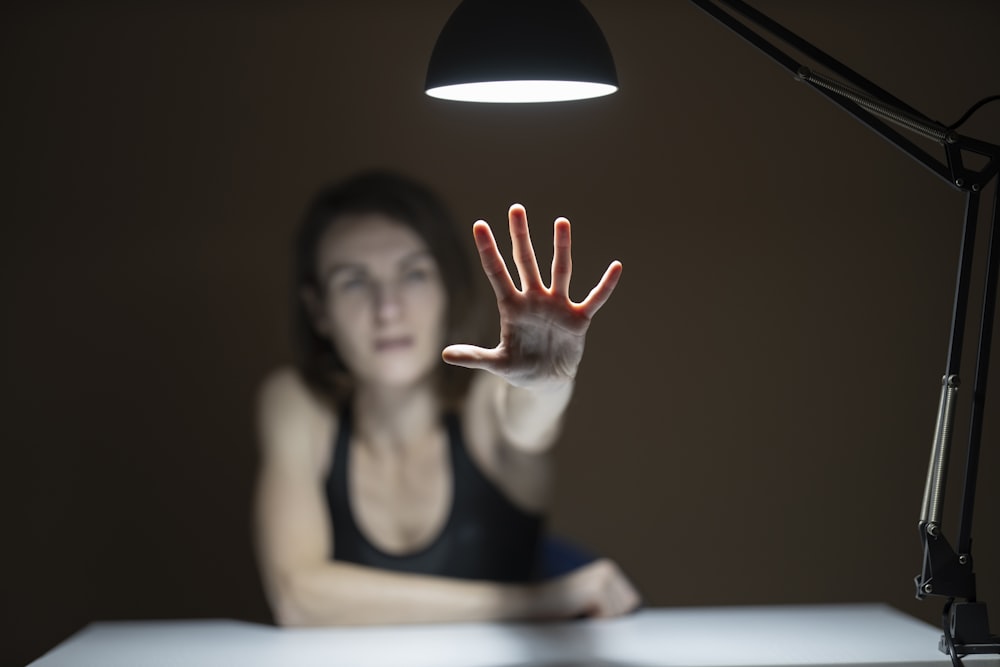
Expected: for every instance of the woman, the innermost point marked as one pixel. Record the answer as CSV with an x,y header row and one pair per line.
x,y
394,488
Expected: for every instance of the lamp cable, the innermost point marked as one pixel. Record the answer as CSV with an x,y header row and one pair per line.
x,y
973,109
949,641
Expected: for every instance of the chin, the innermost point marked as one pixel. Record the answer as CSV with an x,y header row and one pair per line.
x,y
405,376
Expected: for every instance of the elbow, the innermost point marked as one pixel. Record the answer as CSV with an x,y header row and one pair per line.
x,y
287,614
299,600
289,602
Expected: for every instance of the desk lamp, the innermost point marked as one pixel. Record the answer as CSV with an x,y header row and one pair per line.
x,y
553,50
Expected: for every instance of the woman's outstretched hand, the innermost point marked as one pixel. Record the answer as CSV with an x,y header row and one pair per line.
x,y
542,331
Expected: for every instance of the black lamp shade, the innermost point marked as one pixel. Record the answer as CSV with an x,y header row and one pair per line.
x,y
521,51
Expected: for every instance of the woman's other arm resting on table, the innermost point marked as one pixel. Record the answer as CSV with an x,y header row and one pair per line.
x,y
305,587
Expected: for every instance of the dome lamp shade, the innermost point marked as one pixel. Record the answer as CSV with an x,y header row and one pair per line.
x,y
521,51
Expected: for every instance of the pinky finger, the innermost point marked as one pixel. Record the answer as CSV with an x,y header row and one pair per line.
x,y
602,292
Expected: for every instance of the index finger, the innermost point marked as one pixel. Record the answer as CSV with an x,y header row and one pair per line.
x,y
493,265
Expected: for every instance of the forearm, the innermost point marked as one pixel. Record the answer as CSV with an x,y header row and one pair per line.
x,y
337,593
530,418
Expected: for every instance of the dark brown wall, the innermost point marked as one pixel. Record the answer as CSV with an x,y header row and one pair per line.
x,y
755,411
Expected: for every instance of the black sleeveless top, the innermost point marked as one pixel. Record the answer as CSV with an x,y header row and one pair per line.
x,y
485,536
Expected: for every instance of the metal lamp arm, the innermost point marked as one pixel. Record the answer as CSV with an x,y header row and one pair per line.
x,y
867,102
944,571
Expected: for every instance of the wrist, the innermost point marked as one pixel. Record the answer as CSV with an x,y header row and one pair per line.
x,y
549,387
541,601
529,418
520,602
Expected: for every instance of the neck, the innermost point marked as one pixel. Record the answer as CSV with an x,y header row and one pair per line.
x,y
396,419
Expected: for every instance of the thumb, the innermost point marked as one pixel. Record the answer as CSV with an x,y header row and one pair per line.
x,y
470,356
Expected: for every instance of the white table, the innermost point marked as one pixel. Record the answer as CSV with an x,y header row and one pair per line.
x,y
866,634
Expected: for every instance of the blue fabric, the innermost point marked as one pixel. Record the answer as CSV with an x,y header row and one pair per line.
x,y
560,556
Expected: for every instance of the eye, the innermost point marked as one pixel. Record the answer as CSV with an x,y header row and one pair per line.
x,y
419,271
352,283
417,275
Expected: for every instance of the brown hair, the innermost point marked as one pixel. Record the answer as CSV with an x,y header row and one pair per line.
x,y
409,203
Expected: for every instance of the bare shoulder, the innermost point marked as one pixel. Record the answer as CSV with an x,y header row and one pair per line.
x,y
292,418
285,389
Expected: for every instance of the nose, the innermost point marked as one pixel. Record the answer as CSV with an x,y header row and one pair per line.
x,y
388,304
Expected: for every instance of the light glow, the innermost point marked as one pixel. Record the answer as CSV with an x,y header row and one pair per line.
x,y
521,91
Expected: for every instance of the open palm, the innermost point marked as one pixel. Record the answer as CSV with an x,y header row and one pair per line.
x,y
542,331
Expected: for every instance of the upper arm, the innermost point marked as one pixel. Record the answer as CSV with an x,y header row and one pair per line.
x,y
293,529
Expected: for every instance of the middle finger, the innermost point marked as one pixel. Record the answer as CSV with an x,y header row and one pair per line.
x,y
524,252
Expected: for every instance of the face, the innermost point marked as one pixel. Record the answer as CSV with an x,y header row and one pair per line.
x,y
381,300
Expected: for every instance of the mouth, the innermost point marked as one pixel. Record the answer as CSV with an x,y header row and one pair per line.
x,y
391,344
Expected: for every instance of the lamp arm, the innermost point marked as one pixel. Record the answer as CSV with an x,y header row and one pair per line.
x,y
861,98
945,572
798,43
987,319
928,129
